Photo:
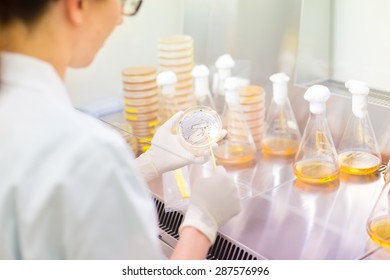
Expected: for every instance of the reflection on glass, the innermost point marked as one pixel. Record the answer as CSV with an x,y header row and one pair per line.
x,y
378,225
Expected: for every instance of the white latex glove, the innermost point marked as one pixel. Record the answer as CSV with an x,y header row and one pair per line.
x,y
166,153
214,200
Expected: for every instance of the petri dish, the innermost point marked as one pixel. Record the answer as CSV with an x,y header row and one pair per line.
x,y
252,99
176,54
254,115
147,124
251,90
139,79
253,107
144,94
184,91
140,86
183,76
189,60
143,134
132,100
178,69
142,109
141,117
175,43
184,84
138,71
198,128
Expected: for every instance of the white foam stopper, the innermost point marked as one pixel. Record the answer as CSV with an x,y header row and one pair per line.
x,y
200,75
317,95
359,91
279,86
167,80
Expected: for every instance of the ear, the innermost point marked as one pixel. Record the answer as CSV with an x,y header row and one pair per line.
x,y
75,10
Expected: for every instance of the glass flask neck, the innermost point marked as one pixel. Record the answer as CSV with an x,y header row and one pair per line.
x,y
167,90
201,87
318,115
280,93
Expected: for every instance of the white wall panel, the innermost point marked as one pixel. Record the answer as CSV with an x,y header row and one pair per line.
x,y
131,44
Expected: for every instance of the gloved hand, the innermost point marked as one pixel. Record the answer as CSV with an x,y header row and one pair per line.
x,y
213,202
166,153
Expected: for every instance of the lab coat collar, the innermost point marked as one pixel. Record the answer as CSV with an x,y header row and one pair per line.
x,y
34,74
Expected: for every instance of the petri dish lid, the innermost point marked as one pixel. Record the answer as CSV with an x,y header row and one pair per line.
x,y
251,99
251,90
184,91
139,79
141,116
199,127
175,43
139,71
253,107
140,86
176,54
176,61
140,94
178,69
130,101
141,109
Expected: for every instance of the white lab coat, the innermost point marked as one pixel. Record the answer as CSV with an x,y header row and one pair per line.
x,y
68,184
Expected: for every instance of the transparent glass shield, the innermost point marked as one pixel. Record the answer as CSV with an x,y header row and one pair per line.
x,y
378,224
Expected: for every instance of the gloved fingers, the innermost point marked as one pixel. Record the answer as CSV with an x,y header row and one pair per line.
x,y
222,134
172,122
220,169
200,159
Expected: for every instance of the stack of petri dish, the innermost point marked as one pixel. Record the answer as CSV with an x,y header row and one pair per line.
x,y
141,103
176,53
252,100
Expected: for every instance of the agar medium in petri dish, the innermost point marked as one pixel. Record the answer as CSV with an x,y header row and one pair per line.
x,y
198,128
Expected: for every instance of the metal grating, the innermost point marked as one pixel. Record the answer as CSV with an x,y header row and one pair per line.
x,y
223,249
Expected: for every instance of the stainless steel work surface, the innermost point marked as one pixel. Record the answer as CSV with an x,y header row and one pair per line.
x,y
282,218
287,219
291,222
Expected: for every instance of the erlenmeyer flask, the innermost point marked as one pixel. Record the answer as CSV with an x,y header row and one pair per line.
x,y
378,225
281,134
359,152
166,81
238,146
224,65
200,75
316,159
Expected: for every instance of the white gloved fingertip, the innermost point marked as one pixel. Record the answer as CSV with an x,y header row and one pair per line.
x,y
222,134
202,221
175,118
221,169
200,159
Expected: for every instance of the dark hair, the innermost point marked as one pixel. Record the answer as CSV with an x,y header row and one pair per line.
x,y
26,10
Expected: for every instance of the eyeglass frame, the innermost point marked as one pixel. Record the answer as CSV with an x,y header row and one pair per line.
x,y
135,11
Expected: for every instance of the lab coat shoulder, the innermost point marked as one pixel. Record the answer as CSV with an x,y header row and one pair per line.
x,y
86,192
115,215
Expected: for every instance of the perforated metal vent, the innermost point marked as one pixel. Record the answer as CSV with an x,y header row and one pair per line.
x,y
223,249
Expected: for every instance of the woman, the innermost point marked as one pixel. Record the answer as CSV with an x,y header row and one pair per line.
x,y
69,186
